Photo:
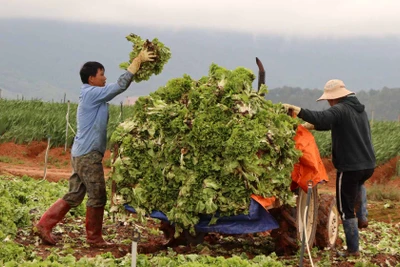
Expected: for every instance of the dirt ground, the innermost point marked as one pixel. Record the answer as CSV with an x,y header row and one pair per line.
x,y
29,160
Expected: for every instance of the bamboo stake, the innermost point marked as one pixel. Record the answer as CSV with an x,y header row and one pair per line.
x,y
45,159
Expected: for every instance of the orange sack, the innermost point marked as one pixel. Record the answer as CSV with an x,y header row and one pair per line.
x,y
309,167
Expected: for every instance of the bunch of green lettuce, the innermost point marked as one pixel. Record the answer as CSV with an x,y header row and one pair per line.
x,y
204,146
147,69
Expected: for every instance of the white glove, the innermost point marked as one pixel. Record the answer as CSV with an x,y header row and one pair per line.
x,y
143,56
294,109
308,126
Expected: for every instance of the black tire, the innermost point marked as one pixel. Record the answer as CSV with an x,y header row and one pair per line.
x,y
184,239
196,239
289,235
169,235
328,222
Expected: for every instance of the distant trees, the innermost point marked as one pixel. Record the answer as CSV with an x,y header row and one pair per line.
x,y
381,105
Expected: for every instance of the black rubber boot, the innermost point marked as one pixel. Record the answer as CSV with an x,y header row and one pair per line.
x,y
350,227
361,207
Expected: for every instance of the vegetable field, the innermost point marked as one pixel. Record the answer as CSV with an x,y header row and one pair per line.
x,y
24,199
385,138
25,121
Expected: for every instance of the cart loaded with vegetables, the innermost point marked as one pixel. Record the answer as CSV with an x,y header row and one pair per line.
x,y
215,155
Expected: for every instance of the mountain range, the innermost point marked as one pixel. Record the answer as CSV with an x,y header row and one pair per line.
x,y
41,59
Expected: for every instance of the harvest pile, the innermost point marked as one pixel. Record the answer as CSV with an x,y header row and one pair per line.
x,y
148,68
203,147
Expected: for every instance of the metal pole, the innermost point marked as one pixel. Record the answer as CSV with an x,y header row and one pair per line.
x,y
303,243
45,157
135,240
134,252
66,128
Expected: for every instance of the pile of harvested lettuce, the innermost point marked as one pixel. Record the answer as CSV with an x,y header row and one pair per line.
x,y
204,146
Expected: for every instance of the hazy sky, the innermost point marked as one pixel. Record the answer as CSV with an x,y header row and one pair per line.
x,y
309,18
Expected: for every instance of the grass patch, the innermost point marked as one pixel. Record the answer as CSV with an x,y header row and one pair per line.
x,y
53,160
382,193
107,163
5,159
398,168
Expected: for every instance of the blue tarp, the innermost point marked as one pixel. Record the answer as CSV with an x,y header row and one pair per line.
x,y
258,220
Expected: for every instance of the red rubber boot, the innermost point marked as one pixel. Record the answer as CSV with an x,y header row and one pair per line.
x,y
94,226
49,219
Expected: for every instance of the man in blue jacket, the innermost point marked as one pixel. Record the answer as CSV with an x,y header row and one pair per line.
x,y
352,154
88,151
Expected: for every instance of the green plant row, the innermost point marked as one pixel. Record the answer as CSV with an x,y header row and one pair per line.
x,y
385,139
25,121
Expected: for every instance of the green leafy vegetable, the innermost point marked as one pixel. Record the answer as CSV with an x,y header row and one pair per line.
x,y
147,69
202,147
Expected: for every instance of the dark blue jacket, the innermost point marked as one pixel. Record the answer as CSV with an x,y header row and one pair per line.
x,y
352,148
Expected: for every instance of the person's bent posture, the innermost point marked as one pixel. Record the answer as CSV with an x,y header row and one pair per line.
x,y
352,154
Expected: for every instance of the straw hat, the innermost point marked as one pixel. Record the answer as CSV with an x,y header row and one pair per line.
x,y
334,89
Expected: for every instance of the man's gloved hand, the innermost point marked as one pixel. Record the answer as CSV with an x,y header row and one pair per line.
x,y
143,56
292,108
308,126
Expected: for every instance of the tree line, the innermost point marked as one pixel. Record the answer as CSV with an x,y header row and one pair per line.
x,y
381,105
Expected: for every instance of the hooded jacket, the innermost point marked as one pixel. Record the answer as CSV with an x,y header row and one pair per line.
x,y
352,148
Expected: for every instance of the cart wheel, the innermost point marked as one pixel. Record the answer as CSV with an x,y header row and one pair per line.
x,y
169,232
291,225
194,240
328,222
186,238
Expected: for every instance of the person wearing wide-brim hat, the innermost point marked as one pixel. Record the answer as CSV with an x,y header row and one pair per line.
x,y
352,154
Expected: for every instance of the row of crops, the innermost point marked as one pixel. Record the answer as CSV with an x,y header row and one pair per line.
x,y
385,138
25,121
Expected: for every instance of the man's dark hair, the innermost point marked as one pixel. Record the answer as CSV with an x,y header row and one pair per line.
x,y
90,69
